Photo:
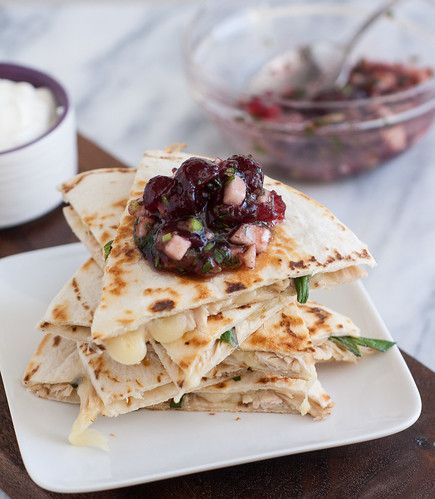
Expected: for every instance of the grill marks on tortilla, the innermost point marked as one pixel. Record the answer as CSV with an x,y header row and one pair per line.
x,y
30,373
232,287
42,345
97,365
84,304
162,305
120,204
202,291
282,335
271,379
321,321
56,341
60,312
76,290
195,341
123,253
287,331
127,319
88,264
152,291
165,304
311,261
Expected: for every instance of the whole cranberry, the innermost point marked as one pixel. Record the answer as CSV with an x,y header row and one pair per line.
x,y
262,110
273,210
157,188
194,175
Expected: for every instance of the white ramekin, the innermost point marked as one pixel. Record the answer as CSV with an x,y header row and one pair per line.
x,y
30,173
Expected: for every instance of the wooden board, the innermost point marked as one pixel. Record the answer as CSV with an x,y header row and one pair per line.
x,y
402,465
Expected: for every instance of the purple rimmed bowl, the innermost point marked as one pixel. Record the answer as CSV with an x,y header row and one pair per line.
x,y
31,172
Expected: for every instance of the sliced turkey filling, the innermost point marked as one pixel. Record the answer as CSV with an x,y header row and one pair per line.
x,y
299,365
259,392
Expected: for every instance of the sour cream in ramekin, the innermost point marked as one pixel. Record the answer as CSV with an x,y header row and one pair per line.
x,y
26,113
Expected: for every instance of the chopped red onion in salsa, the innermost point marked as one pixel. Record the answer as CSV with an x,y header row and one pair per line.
x,y
209,217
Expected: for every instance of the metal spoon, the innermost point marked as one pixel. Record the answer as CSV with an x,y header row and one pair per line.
x,y
314,68
340,73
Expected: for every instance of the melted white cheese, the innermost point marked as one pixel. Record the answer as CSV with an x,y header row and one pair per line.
x,y
129,348
80,434
169,329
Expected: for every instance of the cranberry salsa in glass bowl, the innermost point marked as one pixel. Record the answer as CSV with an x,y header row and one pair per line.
x,y
209,217
238,58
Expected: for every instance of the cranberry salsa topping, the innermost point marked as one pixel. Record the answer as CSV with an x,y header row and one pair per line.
x,y
209,217
366,79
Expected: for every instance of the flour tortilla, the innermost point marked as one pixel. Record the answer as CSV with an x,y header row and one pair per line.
x,y
54,370
96,200
84,234
71,311
66,371
292,342
310,241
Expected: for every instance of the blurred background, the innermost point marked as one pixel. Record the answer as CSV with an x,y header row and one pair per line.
x,y
122,63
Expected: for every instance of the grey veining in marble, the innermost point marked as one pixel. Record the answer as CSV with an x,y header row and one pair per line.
x,y
121,62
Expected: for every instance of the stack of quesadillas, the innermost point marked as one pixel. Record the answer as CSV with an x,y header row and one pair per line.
x,y
122,335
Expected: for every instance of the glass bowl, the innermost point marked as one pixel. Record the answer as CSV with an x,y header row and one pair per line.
x,y
231,43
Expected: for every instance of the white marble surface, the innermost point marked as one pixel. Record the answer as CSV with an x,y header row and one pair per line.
x,y
121,61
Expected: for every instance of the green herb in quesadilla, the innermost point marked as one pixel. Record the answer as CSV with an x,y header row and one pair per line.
x,y
352,343
107,249
302,285
230,337
176,405
217,213
237,378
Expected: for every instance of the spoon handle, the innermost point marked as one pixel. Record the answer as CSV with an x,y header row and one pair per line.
x,y
343,69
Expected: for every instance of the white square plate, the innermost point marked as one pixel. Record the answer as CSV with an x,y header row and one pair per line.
x,y
375,398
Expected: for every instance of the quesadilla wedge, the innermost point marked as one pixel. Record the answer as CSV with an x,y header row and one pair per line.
x,y
137,297
280,345
54,370
71,311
